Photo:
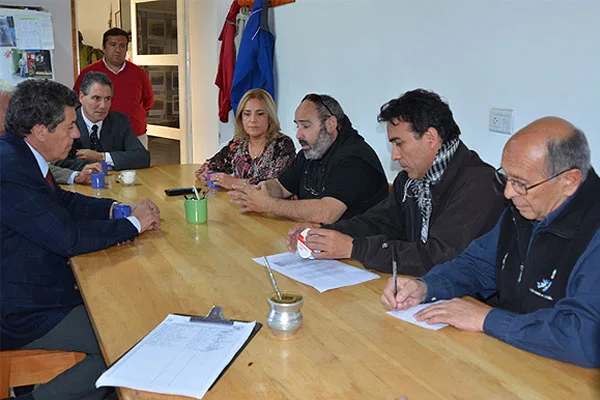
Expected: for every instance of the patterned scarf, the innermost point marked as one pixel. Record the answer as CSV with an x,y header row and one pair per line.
x,y
421,188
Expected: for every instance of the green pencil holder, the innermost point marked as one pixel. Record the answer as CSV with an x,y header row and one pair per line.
x,y
195,211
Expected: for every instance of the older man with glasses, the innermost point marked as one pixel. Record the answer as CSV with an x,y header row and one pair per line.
x,y
539,264
337,175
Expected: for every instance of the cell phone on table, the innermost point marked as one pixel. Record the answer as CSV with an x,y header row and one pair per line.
x,y
179,191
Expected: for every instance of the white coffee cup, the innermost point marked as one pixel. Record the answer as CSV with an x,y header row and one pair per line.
x,y
127,177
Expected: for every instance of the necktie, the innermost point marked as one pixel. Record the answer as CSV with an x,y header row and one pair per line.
x,y
94,141
50,181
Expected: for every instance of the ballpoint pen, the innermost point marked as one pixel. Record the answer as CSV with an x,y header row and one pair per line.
x,y
394,271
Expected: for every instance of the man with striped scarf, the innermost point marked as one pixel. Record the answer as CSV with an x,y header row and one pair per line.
x,y
443,198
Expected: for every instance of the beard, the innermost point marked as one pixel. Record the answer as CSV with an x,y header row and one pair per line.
x,y
320,147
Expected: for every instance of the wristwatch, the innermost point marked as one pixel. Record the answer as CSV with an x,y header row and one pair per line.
x,y
112,208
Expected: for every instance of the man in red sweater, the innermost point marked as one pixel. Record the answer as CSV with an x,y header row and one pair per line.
x,y
132,89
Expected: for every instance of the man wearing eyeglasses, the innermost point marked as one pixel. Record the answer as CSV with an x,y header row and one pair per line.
x,y
541,260
337,175
443,198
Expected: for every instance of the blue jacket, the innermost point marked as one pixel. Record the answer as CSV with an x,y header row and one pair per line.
x,y
569,331
39,230
254,64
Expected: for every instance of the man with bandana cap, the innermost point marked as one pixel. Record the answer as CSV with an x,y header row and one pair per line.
x,y
443,198
337,175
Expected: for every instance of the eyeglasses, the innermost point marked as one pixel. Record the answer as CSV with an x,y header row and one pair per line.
x,y
519,187
317,98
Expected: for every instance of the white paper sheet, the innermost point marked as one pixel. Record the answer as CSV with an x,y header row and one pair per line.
x,y
46,32
28,33
178,357
323,275
408,316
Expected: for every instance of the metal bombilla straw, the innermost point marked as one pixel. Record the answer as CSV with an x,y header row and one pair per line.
x,y
273,281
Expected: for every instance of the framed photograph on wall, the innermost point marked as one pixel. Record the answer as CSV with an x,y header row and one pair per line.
x,y
159,108
156,49
157,79
118,23
156,29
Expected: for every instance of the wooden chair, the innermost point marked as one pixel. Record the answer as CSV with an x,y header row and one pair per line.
x,y
29,367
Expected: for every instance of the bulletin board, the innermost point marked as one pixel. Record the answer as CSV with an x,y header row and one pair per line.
x,y
26,45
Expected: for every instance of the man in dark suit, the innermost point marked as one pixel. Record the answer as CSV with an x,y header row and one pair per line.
x,y
41,226
105,135
61,175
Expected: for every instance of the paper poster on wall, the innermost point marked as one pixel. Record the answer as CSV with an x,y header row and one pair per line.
x,y
34,31
47,34
7,31
17,65
28,33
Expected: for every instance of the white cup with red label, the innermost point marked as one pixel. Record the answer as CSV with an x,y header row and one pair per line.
x,y
302,248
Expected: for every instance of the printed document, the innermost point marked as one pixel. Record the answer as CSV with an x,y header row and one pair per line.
x,y
323,275
408,316
179,357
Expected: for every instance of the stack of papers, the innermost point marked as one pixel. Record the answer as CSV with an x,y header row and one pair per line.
x,y
179,357
321,274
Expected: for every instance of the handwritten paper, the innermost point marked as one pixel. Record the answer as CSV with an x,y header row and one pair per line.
x,y
408,316
179,357
323,275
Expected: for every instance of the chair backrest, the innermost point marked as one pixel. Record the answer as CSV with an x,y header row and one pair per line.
x,y
29,367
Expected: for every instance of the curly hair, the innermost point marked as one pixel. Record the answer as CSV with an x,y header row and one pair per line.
x,y
265,98
38,102
423,109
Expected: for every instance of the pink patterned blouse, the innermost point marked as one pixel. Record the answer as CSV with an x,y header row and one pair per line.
x,y
235,159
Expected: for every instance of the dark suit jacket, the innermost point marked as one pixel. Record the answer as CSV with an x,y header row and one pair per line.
x,y
117,138
39,230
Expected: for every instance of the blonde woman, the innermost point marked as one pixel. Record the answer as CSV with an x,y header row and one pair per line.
x,y
258,150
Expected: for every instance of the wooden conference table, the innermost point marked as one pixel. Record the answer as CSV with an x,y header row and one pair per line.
x,y
347,348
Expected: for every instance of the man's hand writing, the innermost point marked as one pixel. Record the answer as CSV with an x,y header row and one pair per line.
x,y
410,293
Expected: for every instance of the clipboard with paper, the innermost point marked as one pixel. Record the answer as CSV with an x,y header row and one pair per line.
x,y
184,355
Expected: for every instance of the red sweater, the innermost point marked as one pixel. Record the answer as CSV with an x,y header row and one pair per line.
x,y
132,92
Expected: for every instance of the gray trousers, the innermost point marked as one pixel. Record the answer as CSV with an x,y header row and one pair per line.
x,y
73,333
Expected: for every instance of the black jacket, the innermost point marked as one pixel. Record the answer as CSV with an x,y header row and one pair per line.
x,y
465,205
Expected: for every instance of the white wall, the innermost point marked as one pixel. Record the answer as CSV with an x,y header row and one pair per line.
x,y
61,19
92,19
537,57
204,59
